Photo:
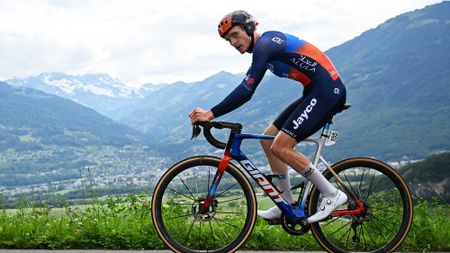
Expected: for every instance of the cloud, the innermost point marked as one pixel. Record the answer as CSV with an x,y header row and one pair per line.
x,y
164,41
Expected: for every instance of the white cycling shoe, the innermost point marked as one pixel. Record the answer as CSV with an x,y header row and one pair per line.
x,y
270,214
327,205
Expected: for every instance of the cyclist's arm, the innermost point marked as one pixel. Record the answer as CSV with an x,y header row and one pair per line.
x,y
262,53
239,96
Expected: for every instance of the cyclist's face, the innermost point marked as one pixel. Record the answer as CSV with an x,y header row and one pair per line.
x,y
238,38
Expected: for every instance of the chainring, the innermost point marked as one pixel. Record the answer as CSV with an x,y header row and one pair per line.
x,y
299,227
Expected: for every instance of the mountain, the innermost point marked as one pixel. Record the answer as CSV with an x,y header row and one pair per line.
x,y
423,183
31,119
397,77
166,110
100,92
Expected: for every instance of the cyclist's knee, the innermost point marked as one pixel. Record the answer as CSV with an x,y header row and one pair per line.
x,y
283,146
265,144
280,149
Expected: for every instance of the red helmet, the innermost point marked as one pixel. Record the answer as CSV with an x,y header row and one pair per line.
x,y
241,18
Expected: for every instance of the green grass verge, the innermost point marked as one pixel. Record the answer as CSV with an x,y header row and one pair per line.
x,y
125,223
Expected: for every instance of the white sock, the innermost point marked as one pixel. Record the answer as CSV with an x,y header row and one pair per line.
x,y
313,175
284,185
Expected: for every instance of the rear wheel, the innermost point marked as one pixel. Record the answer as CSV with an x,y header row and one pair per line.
x,y
388,209
177,199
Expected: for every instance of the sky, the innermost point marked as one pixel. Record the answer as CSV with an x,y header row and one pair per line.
x,y
142,41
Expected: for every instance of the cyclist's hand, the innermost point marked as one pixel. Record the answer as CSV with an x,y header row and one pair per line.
x,y
198,115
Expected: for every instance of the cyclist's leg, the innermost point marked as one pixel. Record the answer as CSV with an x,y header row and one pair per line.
x,y
283,148
277,166
321,101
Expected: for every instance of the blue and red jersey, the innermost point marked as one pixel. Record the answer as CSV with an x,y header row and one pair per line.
x,y
286,56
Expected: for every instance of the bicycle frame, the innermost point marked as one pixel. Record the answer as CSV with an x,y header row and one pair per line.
x,y
233,151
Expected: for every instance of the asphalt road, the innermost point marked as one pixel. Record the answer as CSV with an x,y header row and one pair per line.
x,y
134,251
128,251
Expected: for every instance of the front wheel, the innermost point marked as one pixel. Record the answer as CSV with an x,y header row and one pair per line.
x,y
388,209
180,193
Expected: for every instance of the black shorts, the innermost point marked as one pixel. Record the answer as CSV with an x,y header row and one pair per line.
x,y
321,99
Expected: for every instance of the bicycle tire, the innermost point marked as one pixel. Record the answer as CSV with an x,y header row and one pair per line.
x,y
176,199
389,209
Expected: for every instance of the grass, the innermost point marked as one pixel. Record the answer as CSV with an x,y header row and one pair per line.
x,y
125,223
117,223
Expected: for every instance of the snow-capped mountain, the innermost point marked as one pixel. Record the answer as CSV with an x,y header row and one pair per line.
x,y
148,88
70,86
100,91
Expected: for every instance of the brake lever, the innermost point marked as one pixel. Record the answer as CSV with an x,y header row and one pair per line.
x,y
196,130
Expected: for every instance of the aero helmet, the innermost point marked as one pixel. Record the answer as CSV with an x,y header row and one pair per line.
x,y
239,17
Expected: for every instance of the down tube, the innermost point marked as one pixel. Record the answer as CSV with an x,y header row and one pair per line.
x,y
267,186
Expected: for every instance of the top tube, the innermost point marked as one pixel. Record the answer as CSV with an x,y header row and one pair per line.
x,y
255,136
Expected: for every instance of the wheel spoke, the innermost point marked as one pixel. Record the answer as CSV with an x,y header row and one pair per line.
x,y
209,179
360,183
195,181
340,229
376,187
369,191
189,232
369,234
180,216
351,187
230,200
187,188
346,232
184,195
212,234
221,229
236,213
332,221
226,190
226,222
382,223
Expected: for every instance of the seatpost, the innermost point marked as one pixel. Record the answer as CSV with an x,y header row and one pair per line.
x,y
326,128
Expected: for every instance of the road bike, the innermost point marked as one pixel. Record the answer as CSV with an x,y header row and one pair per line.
x,y
208,204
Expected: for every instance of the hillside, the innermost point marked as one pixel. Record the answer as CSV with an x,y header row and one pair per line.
x,y
31,119
397,77
50,144
430,177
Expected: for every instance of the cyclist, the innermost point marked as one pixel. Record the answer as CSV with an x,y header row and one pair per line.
x,y
324,94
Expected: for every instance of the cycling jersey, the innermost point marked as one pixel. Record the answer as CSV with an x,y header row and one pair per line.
x,y
288,56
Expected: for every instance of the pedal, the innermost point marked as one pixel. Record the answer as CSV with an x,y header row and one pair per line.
x,y
276,221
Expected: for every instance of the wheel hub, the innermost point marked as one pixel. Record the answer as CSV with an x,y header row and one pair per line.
x,y
366,214
204,215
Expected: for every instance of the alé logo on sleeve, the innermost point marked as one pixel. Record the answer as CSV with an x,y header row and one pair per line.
x,y
305,114
249,79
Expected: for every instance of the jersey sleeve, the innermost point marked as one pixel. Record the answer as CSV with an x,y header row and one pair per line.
x,y
265,49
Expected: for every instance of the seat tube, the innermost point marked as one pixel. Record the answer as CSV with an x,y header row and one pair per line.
x,y
320,142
